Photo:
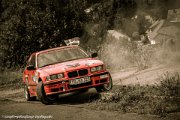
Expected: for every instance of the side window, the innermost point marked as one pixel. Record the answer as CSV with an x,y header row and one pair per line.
x,y
32,61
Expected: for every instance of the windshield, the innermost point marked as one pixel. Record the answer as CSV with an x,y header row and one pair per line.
x,y
58,56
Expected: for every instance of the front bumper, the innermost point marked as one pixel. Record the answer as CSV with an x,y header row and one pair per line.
x,y
64,86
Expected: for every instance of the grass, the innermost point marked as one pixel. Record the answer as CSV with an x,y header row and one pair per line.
x,y
157,100
10,79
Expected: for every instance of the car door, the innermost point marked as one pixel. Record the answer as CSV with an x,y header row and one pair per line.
x,y
31,73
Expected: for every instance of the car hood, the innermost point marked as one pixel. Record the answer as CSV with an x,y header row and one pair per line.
x,y
71,65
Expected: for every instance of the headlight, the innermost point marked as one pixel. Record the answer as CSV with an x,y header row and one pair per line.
x,y
97,68
48,78
60,75
93,69
52,77
55,76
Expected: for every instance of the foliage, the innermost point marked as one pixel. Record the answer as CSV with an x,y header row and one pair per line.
x,y
158,99
29,26
11,80
170,84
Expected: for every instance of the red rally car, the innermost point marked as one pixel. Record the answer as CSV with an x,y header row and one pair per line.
x,y
62,70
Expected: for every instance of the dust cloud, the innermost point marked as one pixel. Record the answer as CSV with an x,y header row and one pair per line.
x,y
121,53
116,53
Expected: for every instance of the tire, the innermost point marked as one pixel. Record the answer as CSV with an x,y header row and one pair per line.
x,y
27,94
105,87
47,100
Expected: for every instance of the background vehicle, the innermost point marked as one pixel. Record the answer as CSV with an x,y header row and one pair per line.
x,y
62,70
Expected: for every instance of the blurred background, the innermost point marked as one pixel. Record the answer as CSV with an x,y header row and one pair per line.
x,y
124,32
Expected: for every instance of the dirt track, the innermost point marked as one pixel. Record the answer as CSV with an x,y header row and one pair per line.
x,y
70,112
78,106
74,107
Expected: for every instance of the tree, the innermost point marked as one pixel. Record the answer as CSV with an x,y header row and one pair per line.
x,y
29,26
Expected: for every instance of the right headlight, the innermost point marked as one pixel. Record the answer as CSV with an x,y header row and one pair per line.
x,y
55,76
97,68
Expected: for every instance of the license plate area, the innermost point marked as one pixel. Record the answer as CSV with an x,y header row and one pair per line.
x,y
78,81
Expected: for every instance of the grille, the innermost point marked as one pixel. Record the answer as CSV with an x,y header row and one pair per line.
x,y
72,74
78,73
83,72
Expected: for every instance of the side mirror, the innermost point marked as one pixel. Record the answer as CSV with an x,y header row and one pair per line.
x,y
30,67
94,55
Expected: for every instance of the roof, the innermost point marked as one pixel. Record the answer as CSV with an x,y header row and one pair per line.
x,y
165,28
117,34
57,48
155,28
173,15
170,30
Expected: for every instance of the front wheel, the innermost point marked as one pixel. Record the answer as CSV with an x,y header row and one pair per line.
x,y
27,94
105,87
42,96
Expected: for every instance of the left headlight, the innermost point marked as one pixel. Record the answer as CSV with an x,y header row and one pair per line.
x,y
97,68
55,76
